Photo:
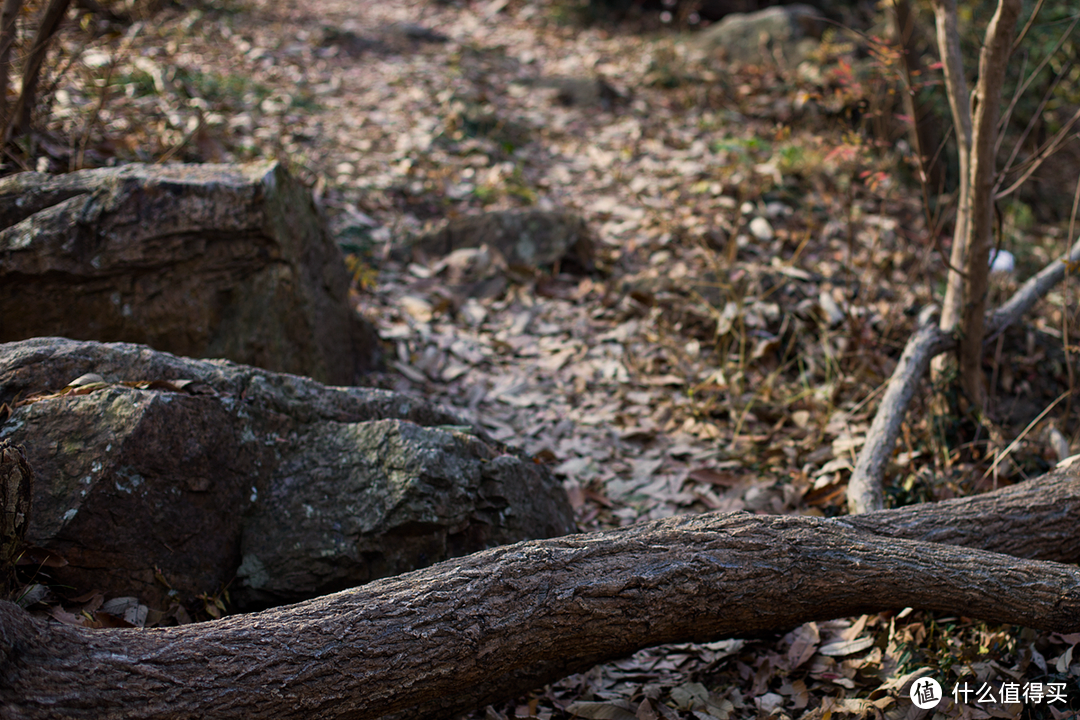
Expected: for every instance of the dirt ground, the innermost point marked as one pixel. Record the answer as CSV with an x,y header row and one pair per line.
x,y
761,251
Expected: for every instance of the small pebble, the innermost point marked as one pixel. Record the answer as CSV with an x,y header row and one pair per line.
x,y
761,229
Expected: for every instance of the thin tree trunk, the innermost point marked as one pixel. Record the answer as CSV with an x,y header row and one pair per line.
x,y
924,132
982,166
487,627
952,61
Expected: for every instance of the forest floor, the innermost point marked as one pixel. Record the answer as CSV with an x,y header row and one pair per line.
x,y
761,249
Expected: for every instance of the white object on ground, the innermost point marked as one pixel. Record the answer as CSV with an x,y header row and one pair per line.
x,y
1002,261
761,229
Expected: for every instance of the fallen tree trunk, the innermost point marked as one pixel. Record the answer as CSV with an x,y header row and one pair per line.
x,y
474,630
1035,519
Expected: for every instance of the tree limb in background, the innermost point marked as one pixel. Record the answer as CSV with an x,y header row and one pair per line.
x,y
19,122
924,132
865,492
9,13
475,630
1041,155
1023,86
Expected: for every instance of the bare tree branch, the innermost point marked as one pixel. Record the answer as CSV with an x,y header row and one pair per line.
x,y
1041,155
1032,75
1018,145
1030,292
19,122
952,61
924,132
864,493
1027,26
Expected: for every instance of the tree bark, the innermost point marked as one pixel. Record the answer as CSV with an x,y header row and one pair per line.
x,y
16,499
952,62
982,165
489,626
1035,519
865,493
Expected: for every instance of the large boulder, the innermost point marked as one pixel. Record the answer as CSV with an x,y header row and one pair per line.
x,y
784,35
165,478
224,261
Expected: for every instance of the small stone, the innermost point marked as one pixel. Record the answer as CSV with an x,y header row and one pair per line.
x,y
473,312
761,229
777,210
833,314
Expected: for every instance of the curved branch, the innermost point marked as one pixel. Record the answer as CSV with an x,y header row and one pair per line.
x,y
864,492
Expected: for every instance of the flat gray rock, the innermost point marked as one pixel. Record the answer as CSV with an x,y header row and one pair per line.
x,y
530,238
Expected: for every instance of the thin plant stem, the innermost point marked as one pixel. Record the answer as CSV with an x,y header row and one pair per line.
x,y
1027,25
1012,446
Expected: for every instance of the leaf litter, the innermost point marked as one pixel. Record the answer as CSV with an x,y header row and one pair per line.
x,y
760,260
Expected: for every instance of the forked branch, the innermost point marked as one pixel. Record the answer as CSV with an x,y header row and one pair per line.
x,y
865,493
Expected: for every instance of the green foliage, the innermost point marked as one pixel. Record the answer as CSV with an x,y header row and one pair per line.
x,y
136,83
591,12
746,149
220,89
